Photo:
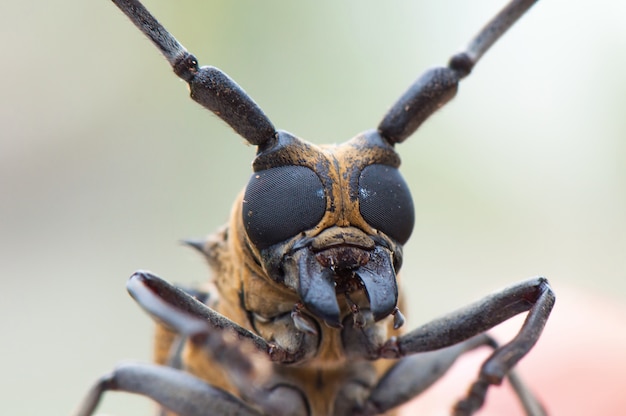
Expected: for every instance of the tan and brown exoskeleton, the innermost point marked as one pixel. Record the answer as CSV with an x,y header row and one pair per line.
x,y
305,316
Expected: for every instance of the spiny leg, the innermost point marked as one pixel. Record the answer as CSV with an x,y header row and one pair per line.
x,y
534,296
437,86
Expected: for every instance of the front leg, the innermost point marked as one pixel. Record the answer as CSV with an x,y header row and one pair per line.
x,y
534,296
245,356
184,314
414,374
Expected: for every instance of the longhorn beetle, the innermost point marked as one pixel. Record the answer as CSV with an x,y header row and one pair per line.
x,y
304,318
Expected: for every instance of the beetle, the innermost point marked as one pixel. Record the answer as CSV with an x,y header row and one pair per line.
x,y
304,314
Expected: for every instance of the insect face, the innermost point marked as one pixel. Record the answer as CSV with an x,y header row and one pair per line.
x,y
329,221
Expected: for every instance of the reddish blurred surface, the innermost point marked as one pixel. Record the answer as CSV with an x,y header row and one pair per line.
x,y
578,367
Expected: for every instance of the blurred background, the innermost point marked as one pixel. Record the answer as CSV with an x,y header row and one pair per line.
x,y
105,163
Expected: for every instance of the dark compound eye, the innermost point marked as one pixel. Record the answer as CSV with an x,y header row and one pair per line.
x,y
281,202
385,201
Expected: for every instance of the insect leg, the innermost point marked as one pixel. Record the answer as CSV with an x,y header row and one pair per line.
x,y
244,355
439,85
534,296
209,86
414,374
168,345
180,392
182,312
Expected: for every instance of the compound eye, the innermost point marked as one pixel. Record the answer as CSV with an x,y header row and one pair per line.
x,y
385,201
281,202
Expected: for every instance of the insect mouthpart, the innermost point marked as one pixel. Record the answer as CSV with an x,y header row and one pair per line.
x,y
321,276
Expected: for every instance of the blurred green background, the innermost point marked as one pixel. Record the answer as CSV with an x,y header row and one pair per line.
x,y
105,163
